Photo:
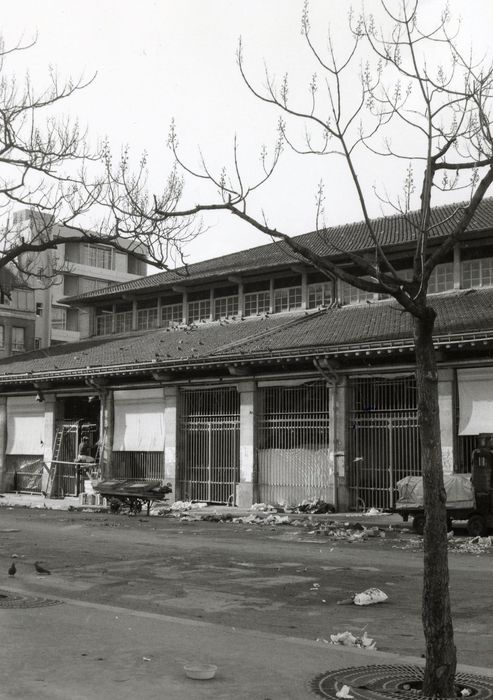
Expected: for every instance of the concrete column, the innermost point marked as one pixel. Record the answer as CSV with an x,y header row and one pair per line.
x,y
184,301
134,314
338,418
241,303
447,417
271,293
170,434
212,310
3,443
245,489
107,430
457,267
48,436
304,290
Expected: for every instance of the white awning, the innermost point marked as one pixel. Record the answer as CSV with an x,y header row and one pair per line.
x,y
139,421
25,426
475,401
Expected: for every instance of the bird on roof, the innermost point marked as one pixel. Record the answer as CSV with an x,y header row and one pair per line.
x,y
40,569
12,569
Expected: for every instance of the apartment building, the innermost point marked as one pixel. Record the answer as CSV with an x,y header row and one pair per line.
x,y
74,268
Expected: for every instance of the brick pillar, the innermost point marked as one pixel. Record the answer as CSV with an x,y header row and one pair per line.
x,y
245,489
447,418
3,442
48,436
107,430
338,419
170,427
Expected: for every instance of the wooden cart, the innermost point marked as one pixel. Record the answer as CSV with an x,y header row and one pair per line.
x,y
131,493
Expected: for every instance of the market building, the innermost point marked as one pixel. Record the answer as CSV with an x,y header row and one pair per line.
x,y
251,378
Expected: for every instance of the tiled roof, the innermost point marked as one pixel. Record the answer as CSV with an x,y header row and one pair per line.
x,y
286,334
392,230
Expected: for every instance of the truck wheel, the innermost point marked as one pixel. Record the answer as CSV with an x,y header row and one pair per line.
x,y
419,524
476,526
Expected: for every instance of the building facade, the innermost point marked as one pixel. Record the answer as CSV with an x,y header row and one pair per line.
x,y
17,315
250,378
73,268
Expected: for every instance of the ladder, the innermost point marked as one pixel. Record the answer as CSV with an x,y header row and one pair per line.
x,y
57,445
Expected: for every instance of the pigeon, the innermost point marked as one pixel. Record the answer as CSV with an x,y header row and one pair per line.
x,y
12,569
40,569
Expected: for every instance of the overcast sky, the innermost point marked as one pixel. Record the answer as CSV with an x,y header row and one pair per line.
x,y
161,59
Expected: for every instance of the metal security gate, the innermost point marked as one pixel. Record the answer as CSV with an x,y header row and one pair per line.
x,y
383,439
293,444
209,445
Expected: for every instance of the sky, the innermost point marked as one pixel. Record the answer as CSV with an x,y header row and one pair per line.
x,y
160,60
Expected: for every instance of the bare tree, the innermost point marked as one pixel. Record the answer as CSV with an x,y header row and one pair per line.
x,y
70,192
436,120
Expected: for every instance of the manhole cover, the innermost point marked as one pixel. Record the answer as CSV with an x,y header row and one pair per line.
x,y
377,682
19,600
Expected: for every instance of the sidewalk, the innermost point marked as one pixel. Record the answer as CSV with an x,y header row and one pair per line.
x,y
83,651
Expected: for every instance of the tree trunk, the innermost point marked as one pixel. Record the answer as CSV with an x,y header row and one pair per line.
x,y
441,656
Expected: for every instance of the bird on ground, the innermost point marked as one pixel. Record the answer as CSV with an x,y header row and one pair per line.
x,y
40,569
12,569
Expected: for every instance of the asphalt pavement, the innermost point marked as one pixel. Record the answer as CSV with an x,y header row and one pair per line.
x,y
67,649
84,651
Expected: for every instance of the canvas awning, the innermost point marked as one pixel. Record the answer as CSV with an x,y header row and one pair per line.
x,y
25,426
475,401
139,421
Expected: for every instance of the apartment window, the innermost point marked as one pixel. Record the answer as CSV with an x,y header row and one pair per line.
x,y
319,294
256,303
18,339
123,321
146,318
353,295
58,318
477,273
287,299
225,306
98,256
104,323
2,336
39,308
199,310
22,299
171,314
442,278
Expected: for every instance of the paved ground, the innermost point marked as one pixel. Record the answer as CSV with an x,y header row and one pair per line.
x,y
141,595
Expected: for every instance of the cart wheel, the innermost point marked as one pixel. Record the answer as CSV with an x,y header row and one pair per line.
x,y
115,505
419,524
135,506
476,526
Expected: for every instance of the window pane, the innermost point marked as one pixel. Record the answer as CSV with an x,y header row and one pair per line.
x,y
171,314
58,317
18,339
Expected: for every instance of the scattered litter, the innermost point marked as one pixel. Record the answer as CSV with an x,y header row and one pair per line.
x,y
347,639
181,505
344,692
370,597
372,511
264,507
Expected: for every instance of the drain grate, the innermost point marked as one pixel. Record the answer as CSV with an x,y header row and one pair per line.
x,y
381,682
19,600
